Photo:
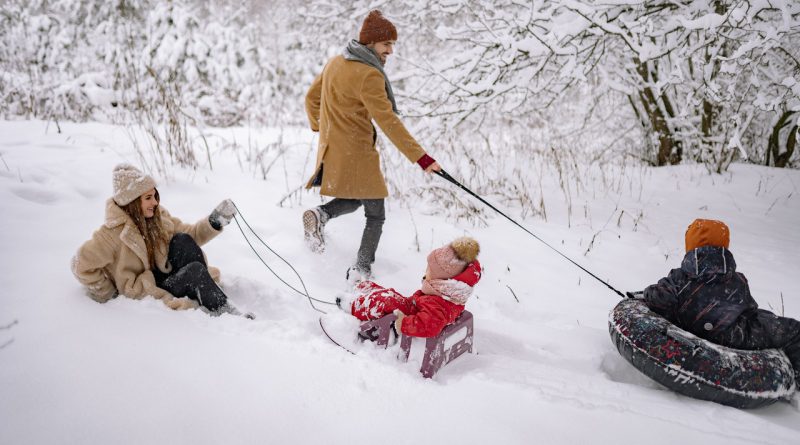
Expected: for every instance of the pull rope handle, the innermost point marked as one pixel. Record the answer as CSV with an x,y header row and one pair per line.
x,y
305,292
452,180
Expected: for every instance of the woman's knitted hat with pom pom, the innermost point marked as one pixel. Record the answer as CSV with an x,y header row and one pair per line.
x,y
450,260
130,183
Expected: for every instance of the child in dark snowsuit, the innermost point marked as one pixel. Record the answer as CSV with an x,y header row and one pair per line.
x,y
452,272
707,297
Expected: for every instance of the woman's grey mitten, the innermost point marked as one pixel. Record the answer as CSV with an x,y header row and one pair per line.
x,y
222,215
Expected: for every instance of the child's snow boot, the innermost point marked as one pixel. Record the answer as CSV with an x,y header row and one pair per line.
x,y
358,273
344,302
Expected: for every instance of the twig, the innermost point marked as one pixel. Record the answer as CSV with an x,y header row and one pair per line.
x,y
771,206
512,293
413,223
58,127
8,326
782,308
591,243
4,162
289,195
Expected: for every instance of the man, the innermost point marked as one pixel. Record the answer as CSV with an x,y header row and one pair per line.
x,y
341,104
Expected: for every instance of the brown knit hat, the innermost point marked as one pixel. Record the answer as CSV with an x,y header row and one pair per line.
x,y
376,28
130,183
707,232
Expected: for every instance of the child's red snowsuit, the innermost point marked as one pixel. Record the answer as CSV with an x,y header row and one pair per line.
x,y
426,315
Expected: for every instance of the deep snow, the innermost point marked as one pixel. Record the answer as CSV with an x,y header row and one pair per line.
x,y
74,371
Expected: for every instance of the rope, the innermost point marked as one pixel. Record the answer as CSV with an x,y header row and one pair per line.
x,y
305,292
450,179
322,326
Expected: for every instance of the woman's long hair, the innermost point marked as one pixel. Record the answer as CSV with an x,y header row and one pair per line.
x,y
152,229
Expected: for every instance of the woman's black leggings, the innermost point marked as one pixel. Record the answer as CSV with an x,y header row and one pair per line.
x,y
189,276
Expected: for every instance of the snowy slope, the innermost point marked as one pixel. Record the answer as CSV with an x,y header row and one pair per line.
x,y
74,371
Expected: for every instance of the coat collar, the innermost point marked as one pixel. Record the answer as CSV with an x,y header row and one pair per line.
x,y
471,275
129,234
457,289
708,260
115,216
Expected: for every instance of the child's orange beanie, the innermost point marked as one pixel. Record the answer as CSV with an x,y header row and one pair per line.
x,y
707,232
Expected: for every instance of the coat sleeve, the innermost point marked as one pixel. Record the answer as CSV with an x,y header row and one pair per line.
x,y
429,320
375,99
662,297
313,101
89,264
201,232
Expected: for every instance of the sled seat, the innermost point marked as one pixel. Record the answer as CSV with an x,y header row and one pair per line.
x,y
437,351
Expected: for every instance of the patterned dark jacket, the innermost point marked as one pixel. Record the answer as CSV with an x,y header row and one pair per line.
x,y
705,296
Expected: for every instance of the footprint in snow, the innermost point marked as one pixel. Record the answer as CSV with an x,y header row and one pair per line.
x,y
36,194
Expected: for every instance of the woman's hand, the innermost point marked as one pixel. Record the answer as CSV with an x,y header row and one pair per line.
x,y
222,214
181,304
435,167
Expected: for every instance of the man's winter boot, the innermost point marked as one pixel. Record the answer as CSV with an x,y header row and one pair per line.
x,y
313,222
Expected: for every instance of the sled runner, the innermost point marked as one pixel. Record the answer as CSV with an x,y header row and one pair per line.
x,y
454,340
696,367
439,350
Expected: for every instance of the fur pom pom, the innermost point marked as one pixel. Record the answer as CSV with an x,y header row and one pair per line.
x,y
466,248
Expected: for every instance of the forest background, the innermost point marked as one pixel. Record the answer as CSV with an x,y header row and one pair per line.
x,y
572,84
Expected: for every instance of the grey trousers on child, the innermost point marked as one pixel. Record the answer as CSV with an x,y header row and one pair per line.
x,y
375,213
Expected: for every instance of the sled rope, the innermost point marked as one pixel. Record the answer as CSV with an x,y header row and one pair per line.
x,y
306,294
331,338
450,179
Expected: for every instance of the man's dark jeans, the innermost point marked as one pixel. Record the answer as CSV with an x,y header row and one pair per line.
x,y
375,213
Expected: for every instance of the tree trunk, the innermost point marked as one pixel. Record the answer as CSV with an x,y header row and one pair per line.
x,y
774,155
783,159
669,149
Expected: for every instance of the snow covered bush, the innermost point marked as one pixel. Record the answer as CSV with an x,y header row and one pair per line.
x,y
706,81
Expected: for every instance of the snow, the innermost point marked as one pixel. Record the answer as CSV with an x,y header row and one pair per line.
x,y
128,371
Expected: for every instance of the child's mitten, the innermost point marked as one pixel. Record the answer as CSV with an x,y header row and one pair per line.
x,y
399,322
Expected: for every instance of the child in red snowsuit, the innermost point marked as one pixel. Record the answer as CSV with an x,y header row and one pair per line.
x,y
452,272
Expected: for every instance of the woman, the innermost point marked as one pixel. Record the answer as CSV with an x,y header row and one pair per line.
x,y
141,250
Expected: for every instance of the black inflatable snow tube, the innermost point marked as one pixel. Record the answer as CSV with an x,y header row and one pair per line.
x,y
695,367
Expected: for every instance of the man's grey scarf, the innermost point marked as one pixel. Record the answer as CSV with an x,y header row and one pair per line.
x,y
361,53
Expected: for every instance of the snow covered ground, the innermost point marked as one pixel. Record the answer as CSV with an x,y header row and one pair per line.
x,y
74,371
